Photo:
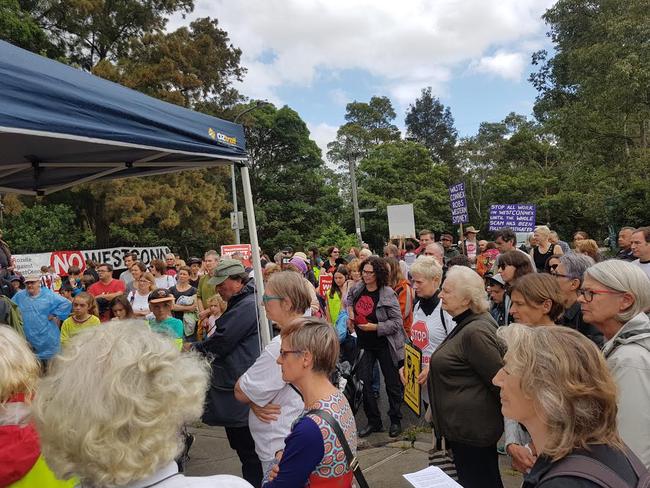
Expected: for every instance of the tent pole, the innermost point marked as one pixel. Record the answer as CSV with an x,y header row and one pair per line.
x,y
265,332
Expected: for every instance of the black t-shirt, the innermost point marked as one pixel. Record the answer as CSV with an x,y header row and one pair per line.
x,y
195,283
365,311
187,293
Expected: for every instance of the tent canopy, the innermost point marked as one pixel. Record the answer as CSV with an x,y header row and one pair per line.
x,y
60,126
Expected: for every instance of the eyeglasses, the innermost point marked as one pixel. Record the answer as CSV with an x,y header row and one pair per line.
x,y
365,271
284,353
335,252
589,294
560,275
267,298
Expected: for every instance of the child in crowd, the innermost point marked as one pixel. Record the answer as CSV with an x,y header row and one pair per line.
x,y
160,303
217,307
84,314
49,279
74,280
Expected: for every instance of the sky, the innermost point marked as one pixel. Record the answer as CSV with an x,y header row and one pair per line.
x,y
316,56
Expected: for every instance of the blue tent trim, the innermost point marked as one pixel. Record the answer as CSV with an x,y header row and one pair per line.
x,y
60,126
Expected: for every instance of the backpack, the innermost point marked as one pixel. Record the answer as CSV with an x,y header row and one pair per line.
x,y
587,468
13,316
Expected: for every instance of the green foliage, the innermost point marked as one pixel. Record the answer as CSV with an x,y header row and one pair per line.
x,y
397,173
42,228
19,28
431,124
335,235
292,191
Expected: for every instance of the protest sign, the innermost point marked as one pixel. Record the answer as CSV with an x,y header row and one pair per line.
x,y
401,222
324,283
412,369
244,249
62,260
459,213
518,217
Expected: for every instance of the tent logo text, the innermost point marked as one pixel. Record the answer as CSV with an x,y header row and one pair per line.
x,y
222,137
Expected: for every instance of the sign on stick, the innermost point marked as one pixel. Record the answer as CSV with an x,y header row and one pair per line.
x,y
459,213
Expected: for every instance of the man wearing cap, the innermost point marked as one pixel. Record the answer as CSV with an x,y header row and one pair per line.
x,y
42,311
160,304
234,346
499,299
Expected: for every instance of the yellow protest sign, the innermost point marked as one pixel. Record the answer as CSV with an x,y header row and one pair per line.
x,y
412,369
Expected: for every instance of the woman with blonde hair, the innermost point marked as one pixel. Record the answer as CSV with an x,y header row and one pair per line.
x,y
139,298
567,406
465,407
614,297
544,248
130,400
274,404
589,247
21,463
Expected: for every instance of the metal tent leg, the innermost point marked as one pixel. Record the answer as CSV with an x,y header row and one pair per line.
x,y
265,331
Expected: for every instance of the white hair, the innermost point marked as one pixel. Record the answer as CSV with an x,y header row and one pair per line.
x,y
112,405
427,267
543,230
471,286
19,368
625,277
365,253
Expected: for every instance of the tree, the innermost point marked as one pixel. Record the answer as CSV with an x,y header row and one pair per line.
x,y
194,67
431,124
293,195
398,173
92,31
45,228
18,27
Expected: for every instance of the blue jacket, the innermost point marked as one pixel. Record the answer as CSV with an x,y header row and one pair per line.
x,y
43,334
232,349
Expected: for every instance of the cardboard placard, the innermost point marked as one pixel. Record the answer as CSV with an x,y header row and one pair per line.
x,y
401,221
412,369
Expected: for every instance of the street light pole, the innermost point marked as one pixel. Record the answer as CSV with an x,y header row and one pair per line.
x,y
233,180
355,202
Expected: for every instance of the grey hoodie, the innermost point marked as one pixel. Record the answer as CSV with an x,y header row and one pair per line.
x,y
628,358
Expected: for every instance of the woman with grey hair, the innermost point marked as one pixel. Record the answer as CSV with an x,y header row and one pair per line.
x,y
569,273
110,411
614,297
465,405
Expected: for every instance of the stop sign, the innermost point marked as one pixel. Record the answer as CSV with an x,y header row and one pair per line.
x,y
420,335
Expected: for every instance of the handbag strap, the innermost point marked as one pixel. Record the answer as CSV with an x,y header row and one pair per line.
x,y
444,322
353,463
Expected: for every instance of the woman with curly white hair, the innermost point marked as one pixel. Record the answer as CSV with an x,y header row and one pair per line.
x,y
110,410
613,297
465,406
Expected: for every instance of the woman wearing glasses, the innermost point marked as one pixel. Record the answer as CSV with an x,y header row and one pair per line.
x,y
614,297
375,314
274,404
312,454
333,260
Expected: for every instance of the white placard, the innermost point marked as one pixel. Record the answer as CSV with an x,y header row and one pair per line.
x,y
401,221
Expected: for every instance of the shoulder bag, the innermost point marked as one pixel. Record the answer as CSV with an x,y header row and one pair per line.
x,y
353,463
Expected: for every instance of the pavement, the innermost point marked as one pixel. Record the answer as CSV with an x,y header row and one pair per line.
x,y
383,459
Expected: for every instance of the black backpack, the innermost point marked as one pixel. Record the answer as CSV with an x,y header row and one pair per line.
x,y
587,468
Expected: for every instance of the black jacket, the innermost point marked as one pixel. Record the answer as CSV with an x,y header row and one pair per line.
x,y
232,349
572,317
610,457
465,405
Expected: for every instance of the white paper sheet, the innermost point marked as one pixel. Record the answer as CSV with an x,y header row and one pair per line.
x,y
431,477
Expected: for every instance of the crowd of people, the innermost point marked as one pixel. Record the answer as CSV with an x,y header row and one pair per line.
x,y
544,345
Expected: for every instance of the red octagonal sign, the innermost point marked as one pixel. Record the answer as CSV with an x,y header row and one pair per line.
x,y
420,335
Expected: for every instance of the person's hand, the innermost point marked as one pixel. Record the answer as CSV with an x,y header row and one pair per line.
x,y
369,327
422,377
350,326
522,458
401,375
267,414
204,313
187,346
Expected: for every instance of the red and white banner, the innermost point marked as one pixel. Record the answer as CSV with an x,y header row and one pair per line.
x,y
62,260
244,249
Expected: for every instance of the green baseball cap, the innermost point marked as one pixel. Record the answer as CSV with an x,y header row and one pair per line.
x,y
226,268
